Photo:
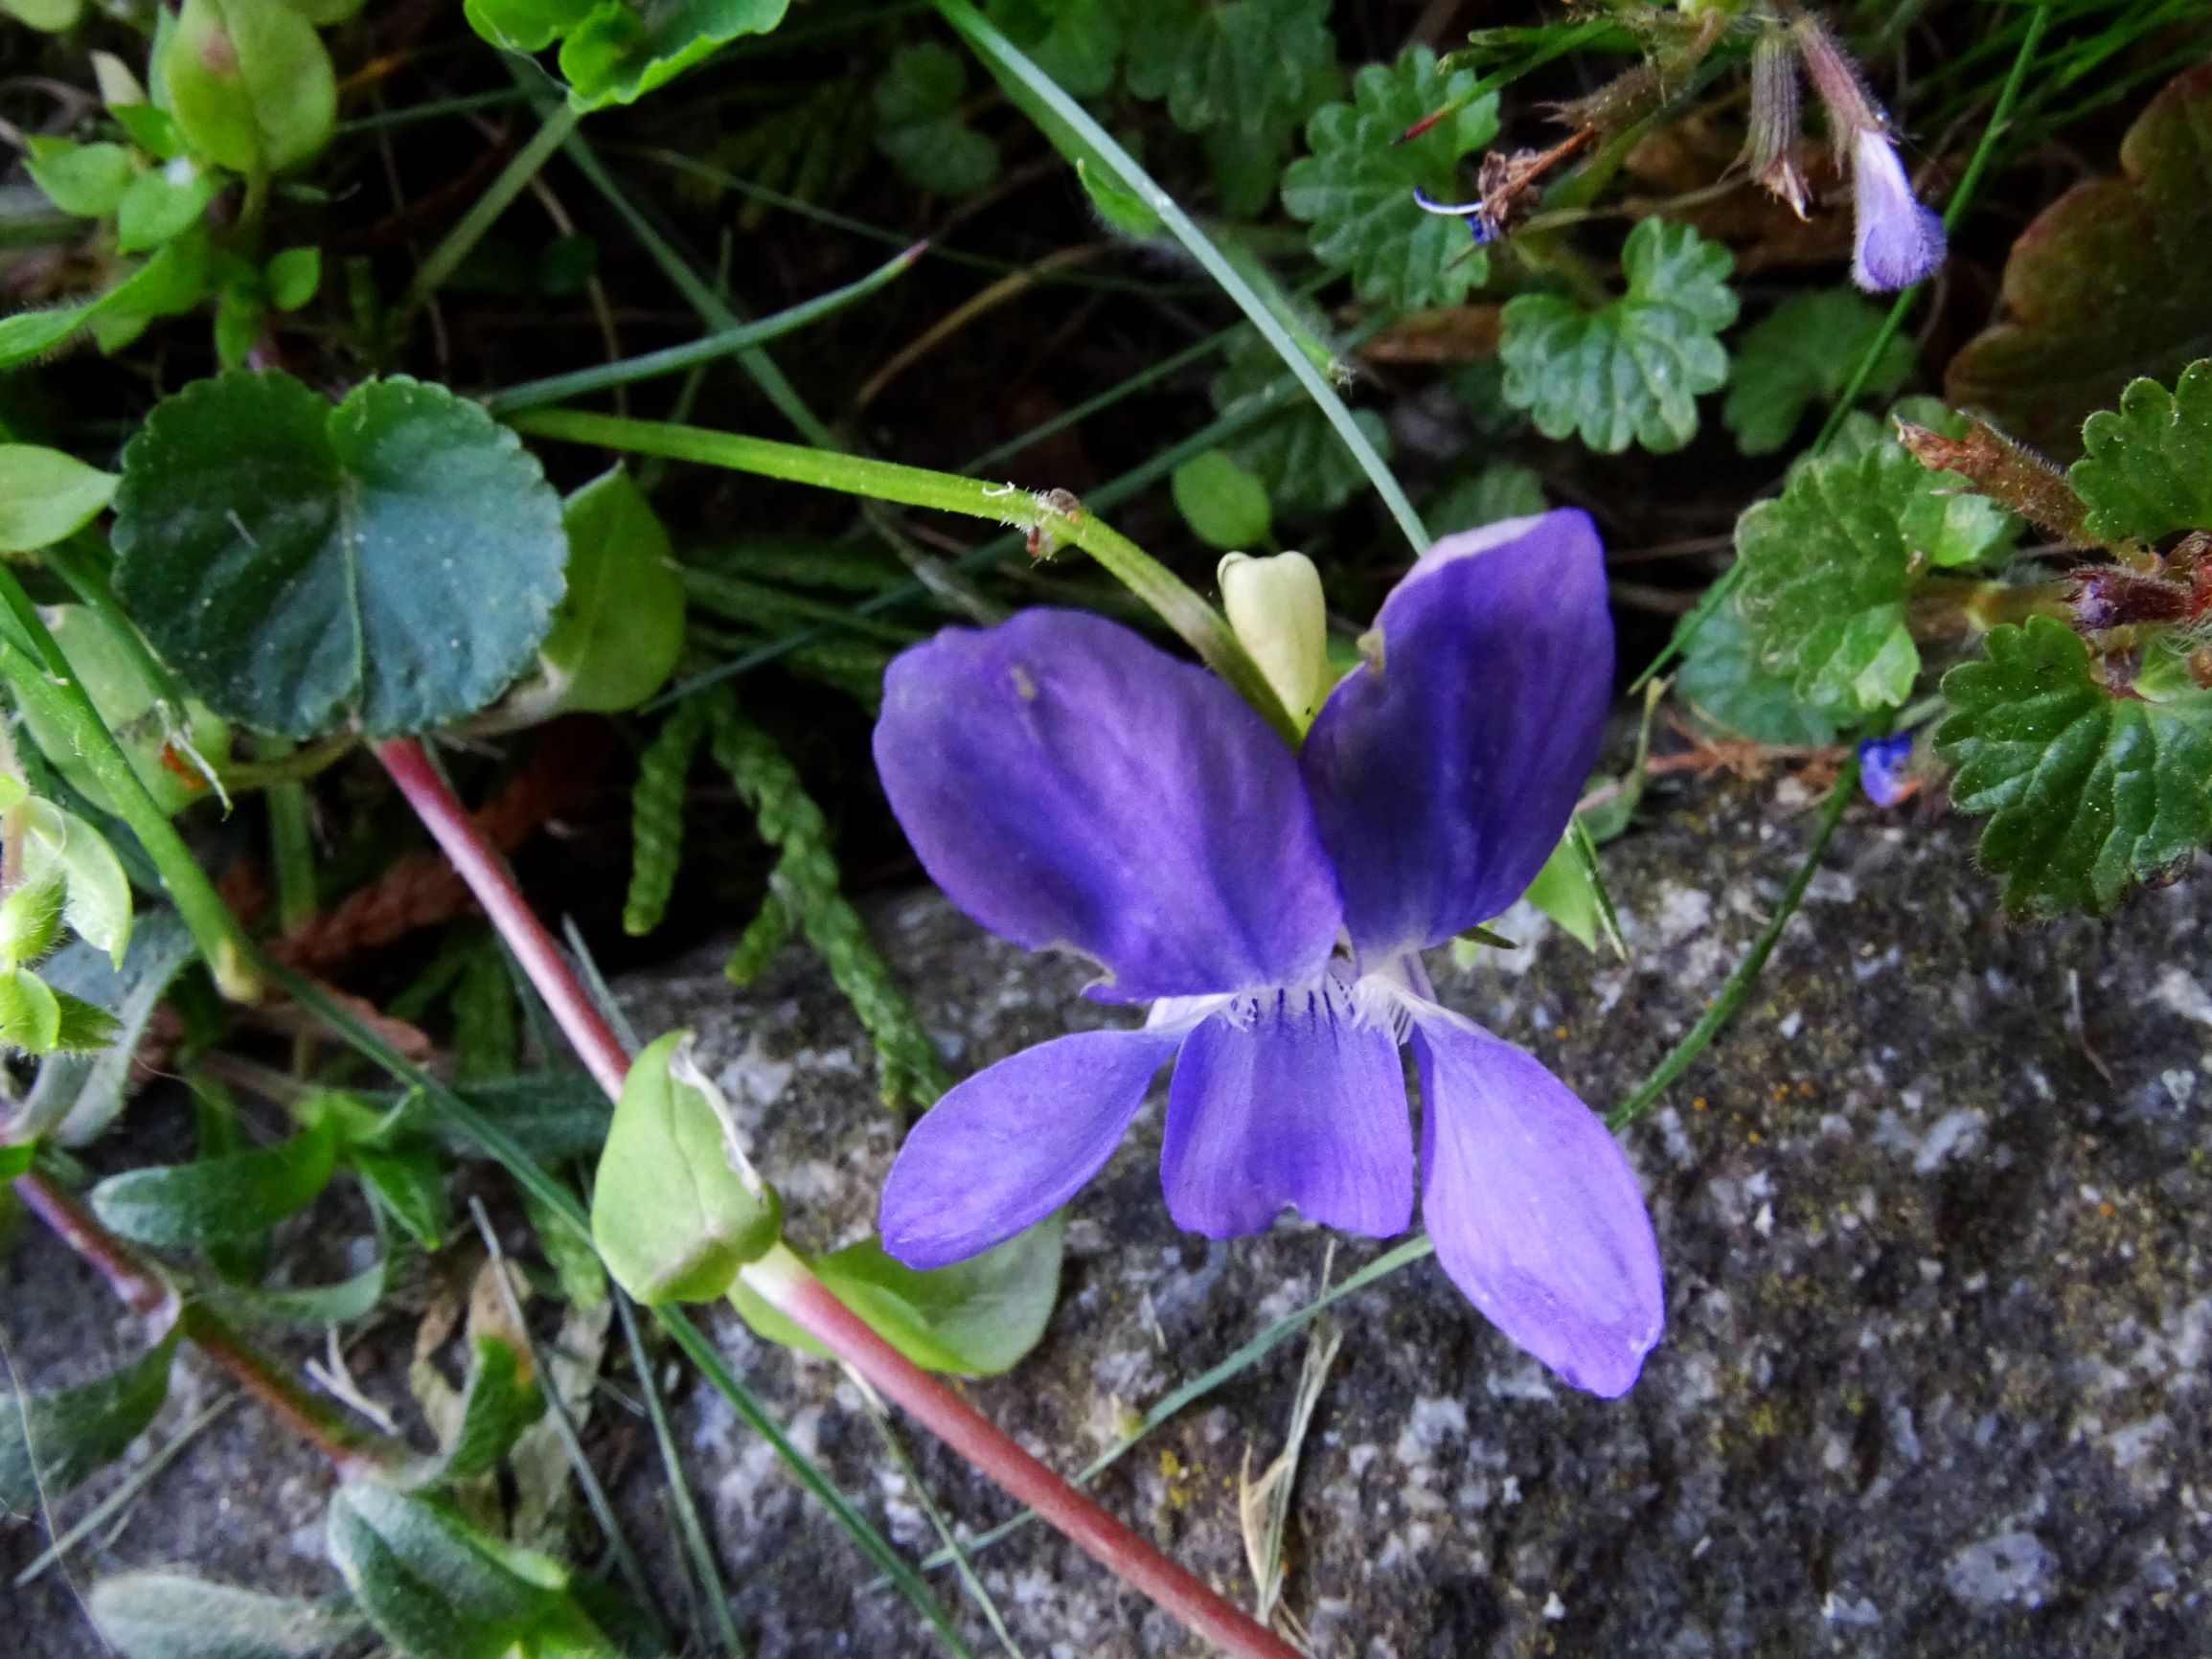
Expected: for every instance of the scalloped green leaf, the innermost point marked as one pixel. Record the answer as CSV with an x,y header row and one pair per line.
x,y
1357,189
2087,792
1631,371
1829,564
621,51
1256,66
1077,42
1296,453
1723,680
2148,466
392,562
2109,284
1801,355
919,124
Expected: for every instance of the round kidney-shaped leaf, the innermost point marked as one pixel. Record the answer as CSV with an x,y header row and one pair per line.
x,y
392,561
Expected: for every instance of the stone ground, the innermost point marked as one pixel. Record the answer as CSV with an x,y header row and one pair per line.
x,y
1935,1379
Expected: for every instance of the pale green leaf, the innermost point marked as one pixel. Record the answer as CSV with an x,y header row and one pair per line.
x,y
62,847
84,179
619,629
30,1016
1225,505
1723,680
2147,466
1630,370
160,205
1357,189
46,496
250,85
621,52
165,1615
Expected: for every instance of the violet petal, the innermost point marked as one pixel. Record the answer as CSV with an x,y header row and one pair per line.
x,y
1014,1143
1444,770
1068,784
1899,239
1535,1213
1288,1100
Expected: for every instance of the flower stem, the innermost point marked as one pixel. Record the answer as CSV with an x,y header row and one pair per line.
x,y
1055,518
1724,1006
785,1281
142,1291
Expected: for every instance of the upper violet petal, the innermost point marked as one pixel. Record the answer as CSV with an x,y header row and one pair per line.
x,y
1900,239
1288,1099
1444,768
1014,1143
1068,784
1533,1209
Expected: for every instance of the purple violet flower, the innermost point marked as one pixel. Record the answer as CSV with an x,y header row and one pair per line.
x,y
1881,768
1068,784
1900,239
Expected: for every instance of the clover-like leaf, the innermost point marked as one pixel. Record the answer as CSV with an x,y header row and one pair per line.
x,y
2087,791
1296,454
1357,189
2109,284
1255,65
1631,370
1801,354
919,124
393,562
1829,564
2148,466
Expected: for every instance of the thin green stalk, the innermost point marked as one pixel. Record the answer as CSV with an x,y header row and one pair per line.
x,y
723,343
1036,92
1724,1006
708,1571
292,856
514,180
1195,621
1953,213
430,110
1264,1343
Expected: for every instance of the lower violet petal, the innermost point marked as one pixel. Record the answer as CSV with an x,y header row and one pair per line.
x,y
1535,1213
1014,1143
1288,1099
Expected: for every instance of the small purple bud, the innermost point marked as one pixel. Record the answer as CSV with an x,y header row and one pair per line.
x,y
1900,240
1882,764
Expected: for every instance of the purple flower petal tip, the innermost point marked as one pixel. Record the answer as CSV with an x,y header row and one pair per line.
x,y
1899,239
1535,1213
1014,1143
1882,765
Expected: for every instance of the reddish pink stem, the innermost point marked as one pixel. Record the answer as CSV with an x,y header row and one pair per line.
x,y
785,1280
486,875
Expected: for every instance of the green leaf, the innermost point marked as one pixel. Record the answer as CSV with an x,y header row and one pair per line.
x,y
147,729
1829,565
2109,284
975,1318
408,1183
619,630
51,1442
1723,680
2087,792
77,1094
50,16
1296,454
30,1016
161,204
1122,209
163,1615
1255,65
432,1585
551,1115
1077,42
496,1407
1225,505
919,124
2148,466
218,1200
30,920
1630,370
16,1157
621,52
46,496
675,1211
153,130
314,1306
1563,890
63,848
250,83
1356,188
85,1028
1802,354
393,562
1502,491
84,179
153,288
291,276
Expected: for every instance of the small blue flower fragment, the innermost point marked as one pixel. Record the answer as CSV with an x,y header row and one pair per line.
x,y
1899,241
1481,221
1882,764
1070,786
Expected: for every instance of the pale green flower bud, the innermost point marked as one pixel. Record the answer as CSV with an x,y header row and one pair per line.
x,y
1275,607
